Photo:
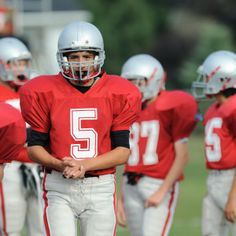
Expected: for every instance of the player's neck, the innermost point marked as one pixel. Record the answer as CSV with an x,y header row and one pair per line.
x,y
220,99
87,83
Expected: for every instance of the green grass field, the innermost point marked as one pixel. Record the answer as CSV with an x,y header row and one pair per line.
x,y
187,218
188,213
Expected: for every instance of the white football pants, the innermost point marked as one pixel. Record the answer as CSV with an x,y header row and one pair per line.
x,y
151,221
214,222
19,208
91,200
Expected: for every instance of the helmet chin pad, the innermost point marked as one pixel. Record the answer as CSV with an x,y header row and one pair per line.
x,y
22,77
81,74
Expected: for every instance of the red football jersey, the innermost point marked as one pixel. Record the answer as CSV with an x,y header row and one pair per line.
x,y
171,117
12,133
79,124
11,97
7,94
220,135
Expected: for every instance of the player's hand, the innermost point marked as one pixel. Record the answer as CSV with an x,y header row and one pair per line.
x,y
230,209
155,199
69,161
73,168
121,216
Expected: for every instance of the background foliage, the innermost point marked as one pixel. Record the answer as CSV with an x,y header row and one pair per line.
x,y
180,33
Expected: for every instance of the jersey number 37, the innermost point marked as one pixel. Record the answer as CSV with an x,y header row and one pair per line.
x,y
149,130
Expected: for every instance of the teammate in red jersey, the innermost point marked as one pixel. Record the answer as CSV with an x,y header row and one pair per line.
x,y
159,152
12,133
217,79
20,188
80,120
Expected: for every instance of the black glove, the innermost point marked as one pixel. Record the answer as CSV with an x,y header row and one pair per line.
x,y
133,178
28,179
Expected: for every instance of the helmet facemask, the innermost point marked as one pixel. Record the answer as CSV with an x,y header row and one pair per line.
x,y
199,86
80,71
16,72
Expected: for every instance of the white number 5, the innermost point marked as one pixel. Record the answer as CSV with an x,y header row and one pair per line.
x,y
87,135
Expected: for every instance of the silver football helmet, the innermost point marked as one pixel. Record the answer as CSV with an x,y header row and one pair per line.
x,y
12,52
146,72
217,73
80,36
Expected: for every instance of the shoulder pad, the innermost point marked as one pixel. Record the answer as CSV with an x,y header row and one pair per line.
x,y
168,100
228,107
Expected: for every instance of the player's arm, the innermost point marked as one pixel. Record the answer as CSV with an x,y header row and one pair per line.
x,y
117,156
177,168
38,153
121,216
230,208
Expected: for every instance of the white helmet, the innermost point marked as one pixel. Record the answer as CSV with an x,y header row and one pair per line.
x,y
80,36
13,50
217,73
147,71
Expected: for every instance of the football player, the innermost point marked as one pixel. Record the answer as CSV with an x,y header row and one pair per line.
x,y
159,151
217,80
20,202
12,133
80,120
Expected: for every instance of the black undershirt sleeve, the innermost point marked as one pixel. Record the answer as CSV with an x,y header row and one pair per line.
x,y
28,132
37,138
120,139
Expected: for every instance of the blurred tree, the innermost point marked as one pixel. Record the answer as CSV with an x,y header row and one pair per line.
x,y
180,33
212,37
128,27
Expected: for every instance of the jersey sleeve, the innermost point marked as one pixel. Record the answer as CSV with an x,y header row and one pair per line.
x,y
232,123
228,113
184,120
126,109
13,138
34,108
183,111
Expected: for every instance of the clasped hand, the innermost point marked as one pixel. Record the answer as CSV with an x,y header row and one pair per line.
x,y
73,169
